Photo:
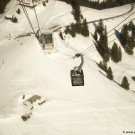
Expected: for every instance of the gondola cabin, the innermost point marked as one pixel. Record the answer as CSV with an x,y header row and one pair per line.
x,y
77,78
46,39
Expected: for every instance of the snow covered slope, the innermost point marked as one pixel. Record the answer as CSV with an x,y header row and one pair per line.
x,y
100,107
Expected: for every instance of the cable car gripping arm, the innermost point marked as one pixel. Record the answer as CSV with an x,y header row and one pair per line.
x,y
81,64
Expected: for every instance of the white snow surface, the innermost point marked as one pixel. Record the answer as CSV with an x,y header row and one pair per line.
x,y
100,106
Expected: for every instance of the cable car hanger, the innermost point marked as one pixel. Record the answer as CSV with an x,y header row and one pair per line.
x,y
78,68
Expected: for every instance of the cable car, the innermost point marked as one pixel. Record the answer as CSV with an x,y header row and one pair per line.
x,y
77,76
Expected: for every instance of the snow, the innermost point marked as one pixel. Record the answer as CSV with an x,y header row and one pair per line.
x,y
100,107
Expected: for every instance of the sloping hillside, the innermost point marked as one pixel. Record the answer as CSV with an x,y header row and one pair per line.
x,y
100,106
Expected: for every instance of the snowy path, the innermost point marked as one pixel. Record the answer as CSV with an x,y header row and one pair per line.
x,y
117,16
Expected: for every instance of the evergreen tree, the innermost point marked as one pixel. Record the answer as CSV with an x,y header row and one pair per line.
x,y
97,4
129,50
95,35
67,30
125,83
44,4
3,4
100,28
103,65
119,54
18,11
131,25
85,30
124,35
76,8
103,45
133,77
73,29
61,35
126,41
110,73
14,19
116,53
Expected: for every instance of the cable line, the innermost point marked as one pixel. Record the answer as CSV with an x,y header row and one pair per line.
x,y
121,27
88,49
120,23
36,16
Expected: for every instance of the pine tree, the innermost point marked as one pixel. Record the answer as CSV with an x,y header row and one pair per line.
x,y
76,8
103,45
3,4
67,30
129,50
133,77
14,19
116,53
125,83
126,40
119,54
110,73
103,65
44,4
131,25
18,11
61,35
124,35
85,30
95,35
100,27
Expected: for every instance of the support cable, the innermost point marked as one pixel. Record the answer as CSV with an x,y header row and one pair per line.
x,y
120,22
36,17
88,49
27,16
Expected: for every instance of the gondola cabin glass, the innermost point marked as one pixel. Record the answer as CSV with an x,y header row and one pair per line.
x,y
77,78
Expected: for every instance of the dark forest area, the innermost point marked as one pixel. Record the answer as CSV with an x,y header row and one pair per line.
x,y
3,4
102,5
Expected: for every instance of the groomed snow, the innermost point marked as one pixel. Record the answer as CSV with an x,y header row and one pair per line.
x,y
100,107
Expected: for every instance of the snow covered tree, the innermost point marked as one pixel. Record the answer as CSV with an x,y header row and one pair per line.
x,y
125,83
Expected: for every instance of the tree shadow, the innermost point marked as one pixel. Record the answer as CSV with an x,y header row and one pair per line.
x,y
117,83
117,34
95,25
